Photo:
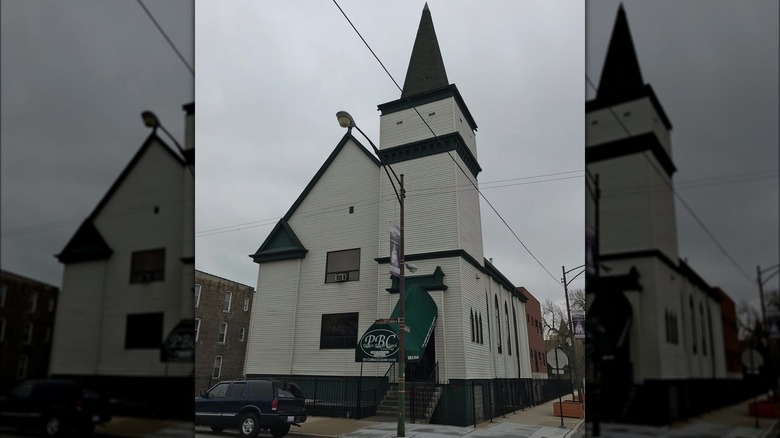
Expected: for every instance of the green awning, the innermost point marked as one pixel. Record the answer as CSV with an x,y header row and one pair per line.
x,y
380,342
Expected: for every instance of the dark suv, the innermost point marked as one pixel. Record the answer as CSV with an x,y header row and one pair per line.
x,y
55,406
251,405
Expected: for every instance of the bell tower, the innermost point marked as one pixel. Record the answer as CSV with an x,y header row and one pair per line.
x,y
628,144
429,135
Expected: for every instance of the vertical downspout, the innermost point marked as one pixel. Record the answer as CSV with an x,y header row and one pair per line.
x,y
444,336
295,313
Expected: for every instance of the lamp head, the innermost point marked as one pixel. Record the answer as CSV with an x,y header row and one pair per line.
x,y
411,267
345,120
150,119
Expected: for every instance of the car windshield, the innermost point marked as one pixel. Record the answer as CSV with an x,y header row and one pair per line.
x,y
219,390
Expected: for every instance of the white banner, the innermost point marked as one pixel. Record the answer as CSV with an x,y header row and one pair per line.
x,y
395,250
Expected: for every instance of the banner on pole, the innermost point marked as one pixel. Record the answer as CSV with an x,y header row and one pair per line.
x,y
578,321
395,250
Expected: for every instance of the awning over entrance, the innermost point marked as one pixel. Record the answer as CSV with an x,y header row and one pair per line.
x,y
380,342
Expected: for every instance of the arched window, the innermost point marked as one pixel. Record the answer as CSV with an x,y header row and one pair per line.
x,y
498,323
508,331
703,330
472,325
693,323
481,338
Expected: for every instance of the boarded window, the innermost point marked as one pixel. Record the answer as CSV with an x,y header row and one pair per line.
x,y
144,331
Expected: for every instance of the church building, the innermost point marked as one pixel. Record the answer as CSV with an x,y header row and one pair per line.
x,y
660,340
325,267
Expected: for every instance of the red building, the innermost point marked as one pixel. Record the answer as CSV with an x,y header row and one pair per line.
x,y
728,312
533,318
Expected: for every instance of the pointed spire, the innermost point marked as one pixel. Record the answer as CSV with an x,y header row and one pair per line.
x,y
426,67
621,75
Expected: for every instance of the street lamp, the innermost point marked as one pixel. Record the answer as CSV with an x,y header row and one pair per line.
x,y
152,121
346,121
571,326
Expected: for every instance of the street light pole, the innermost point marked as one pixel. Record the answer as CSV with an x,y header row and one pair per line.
x,y
346,121
571,326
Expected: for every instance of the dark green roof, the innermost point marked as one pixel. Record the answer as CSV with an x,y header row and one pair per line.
x,y
428,282
426,68
86,245
281,244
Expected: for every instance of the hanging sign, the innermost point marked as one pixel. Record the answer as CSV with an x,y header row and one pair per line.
x,y
395,250
379,345
578,321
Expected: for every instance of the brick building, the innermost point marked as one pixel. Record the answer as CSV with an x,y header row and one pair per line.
x,y
533,318
27,310
222,313
728,313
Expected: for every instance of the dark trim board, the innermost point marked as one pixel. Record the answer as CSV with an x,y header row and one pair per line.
x,y
432,146
682,269
629,146
429,97
488,269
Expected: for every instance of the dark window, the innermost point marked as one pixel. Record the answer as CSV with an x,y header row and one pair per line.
x,y
498,324
343,266
481,333
144,330
147,266
238,390
508,331
339,330
693,323
472,326
261,390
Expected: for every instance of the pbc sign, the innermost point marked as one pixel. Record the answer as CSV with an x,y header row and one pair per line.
x,y
379,345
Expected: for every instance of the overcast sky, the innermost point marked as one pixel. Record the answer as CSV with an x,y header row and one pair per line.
x,y
75,77
271,77
714,67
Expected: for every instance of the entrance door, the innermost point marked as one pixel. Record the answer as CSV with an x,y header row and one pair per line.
x,y
421,371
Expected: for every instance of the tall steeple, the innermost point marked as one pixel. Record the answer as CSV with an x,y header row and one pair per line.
x,y
426,67
621,76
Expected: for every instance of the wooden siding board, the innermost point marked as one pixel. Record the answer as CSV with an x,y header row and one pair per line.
x,y
412,128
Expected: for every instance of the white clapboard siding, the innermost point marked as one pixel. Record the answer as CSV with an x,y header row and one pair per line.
x,y
637,116
323,224
405,126
76,334
431,209
93,342
463,127
469,216
270,338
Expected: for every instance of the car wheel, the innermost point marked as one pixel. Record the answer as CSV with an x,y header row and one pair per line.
x,y
217,429
52,426
280,430
249,427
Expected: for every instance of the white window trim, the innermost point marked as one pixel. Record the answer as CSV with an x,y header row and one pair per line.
x,y
197,329
219,373
28,341
242,334
246,304
222,334
229,296
51,304
198,290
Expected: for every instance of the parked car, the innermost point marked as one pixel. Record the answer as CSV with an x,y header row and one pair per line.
x,y
54,406
251,405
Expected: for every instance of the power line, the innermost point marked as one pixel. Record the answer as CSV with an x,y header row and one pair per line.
x,y
677,195
403,95
173,46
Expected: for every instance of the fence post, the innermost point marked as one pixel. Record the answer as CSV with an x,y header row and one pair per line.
x,y
314,408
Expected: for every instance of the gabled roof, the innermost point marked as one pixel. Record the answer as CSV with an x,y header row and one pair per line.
x,y
88,244
282,243
426,68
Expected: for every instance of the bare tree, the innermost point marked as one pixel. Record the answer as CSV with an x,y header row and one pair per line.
x,y
577,299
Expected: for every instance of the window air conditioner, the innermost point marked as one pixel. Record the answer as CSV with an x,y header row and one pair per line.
x,y
341,277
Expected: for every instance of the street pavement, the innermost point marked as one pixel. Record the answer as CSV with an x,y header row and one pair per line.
x,y
535,422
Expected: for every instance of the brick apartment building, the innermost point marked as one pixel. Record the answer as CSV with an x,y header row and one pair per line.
x,y
533,318
27,310
222,312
